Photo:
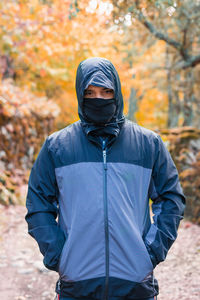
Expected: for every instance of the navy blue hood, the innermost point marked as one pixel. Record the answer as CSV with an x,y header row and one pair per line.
x,y
98,71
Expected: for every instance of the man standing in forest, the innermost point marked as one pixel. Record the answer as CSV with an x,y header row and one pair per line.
x,y
97,176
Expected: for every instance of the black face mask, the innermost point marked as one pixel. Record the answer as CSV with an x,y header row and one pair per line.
x,y
99,110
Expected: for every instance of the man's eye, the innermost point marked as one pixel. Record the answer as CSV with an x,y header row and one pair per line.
x,y
109,91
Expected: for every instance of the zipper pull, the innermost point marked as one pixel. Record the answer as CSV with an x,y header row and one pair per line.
x,y
103,144
104,155
104,160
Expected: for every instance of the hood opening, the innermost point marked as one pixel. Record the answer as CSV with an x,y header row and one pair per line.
x,y
99,71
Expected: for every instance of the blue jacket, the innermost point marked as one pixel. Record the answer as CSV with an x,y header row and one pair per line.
x,y
103,244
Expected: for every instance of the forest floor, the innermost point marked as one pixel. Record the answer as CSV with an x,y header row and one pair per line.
x,y
23,276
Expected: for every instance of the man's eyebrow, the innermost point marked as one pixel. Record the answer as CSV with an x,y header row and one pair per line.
x,y
107,89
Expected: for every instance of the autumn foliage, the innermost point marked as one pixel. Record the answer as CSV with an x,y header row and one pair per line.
x,y
43,41
25,120
42,44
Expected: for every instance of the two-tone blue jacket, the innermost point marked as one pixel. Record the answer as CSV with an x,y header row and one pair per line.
x,y
103,244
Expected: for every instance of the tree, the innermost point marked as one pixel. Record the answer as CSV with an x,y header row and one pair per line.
x,y
177,24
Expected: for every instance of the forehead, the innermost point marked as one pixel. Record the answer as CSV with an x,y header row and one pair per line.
x,y
93,87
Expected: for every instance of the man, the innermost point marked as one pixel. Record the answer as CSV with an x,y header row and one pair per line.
x,y
97,176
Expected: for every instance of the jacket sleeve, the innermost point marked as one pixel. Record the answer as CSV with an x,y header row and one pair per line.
x,y
42,209
168,203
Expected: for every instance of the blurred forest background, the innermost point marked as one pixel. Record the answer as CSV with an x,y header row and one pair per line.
x,y
154,45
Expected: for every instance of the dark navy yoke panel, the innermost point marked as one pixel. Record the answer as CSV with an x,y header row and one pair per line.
x,y
134,145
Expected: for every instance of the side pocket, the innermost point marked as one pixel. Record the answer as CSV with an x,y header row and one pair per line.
x,y
62,257
146,256
152,257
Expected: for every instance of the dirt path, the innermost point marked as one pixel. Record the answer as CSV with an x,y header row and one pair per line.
x,y
23,276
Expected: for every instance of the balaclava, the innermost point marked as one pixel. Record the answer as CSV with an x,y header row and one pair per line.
x,y
99,116
99,111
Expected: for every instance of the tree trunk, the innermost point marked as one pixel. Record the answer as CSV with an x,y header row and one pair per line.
x,y
188,112
173,99
132,107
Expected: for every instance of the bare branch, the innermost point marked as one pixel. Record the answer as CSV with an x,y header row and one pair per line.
x,y
192,62
185,31
188,60
152,29
158,34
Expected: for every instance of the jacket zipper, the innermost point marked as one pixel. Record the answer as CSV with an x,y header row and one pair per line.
x,y
105,219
